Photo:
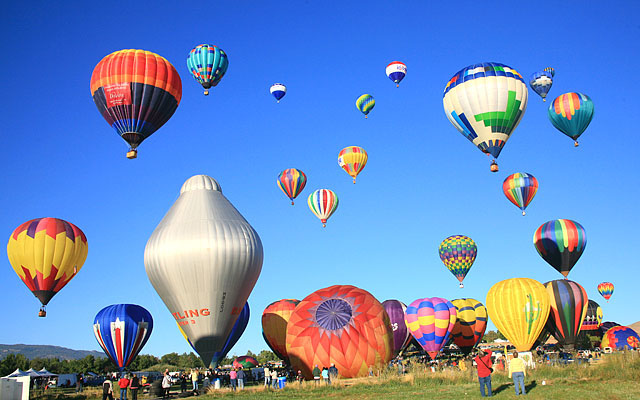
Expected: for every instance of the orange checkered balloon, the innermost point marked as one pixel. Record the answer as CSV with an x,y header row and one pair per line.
x,y
341,325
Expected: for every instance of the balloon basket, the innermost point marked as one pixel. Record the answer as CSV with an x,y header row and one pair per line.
x,y
206,92
365,117
291,202
461,285
42,312
278,101
544,99
524,213
494,166
397,85
131,154
576,144
354,181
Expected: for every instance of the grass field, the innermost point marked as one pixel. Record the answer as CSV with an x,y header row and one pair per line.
x,y
617,377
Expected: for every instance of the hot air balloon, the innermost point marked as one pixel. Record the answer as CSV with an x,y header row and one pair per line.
x,y
560,243
541,83
571,114
605,326
341,325
365,104
471,322
520,188
550,70
278,90
292,181
46,253
245,362
136,91
542,339
122,331
204,259
323,203
401,336
620,338
352,159
430,321
568,308
485,102
274,325
593,319
519,308
237,331
605,289
396,71
207,64
458,253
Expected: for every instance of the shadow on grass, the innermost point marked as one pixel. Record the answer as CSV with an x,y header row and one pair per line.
x,y
500,388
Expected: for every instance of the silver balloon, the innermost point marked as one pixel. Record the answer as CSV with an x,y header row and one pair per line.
x,y
204,259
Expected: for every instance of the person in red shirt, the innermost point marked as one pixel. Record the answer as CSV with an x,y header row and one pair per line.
x,y
484,363
124,384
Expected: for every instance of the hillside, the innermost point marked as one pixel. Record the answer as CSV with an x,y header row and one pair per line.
x,y
32,351
635,327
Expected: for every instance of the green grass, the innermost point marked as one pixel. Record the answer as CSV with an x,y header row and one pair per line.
x,y
616,378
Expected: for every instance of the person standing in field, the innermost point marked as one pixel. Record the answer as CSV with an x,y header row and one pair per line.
x,y
517,371
274,378
316,375
123,383
233,377
241,376
194,379
333,372
134,385
300,377
325,375
484,363
267,376
166,384
107,390
79,383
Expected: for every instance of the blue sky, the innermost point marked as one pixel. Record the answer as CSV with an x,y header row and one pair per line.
x,y
424,181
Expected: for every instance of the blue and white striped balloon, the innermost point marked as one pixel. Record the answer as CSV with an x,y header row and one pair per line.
x,y
278,90
396,71
541,83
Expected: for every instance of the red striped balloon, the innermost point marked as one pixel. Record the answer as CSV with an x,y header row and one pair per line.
x,y
569,304
323,203
292,181
520,188
606,290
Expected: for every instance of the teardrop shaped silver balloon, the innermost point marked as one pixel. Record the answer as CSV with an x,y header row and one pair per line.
x,y
204,259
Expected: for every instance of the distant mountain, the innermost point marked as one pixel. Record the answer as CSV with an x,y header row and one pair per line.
x,y
32,351
635,327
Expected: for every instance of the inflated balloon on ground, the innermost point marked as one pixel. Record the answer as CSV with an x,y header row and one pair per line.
x,y
401,336
430,321
568,309
245,362
471,322
204,259
593,318
274,325
621,337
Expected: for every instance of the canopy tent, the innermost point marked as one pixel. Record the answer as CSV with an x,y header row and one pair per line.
x,y
33,373
44,372
16,373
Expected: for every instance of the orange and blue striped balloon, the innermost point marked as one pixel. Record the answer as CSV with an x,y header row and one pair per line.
x,y
560,243
431,321
323,203
571,113
606,290
520,188
292,181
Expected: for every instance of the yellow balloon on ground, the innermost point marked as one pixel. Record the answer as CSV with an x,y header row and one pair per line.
x,y
519,308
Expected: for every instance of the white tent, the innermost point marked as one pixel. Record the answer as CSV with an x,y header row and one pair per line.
x,y
44,372
33,373
16,373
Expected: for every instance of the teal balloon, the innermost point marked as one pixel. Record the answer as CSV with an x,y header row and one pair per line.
x,y
571,113
207,64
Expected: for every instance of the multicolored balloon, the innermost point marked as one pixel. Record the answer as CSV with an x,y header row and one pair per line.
x,y
292,181
341,325
520,188
519,308
571,113
207,64
542,339
458,254
605,326
430,321
620,338
486,102
47,253
551,71
568,309
237,331
541,83
278,90
605,289
274,325
396,71
471,322
560,243
401,336
245,362
365,104
323,203
352,159
122,331
136,91
593,319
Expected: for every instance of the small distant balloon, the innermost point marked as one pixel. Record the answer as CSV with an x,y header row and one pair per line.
x,y
606,290
396,71
278,90
520,188
323,203
365,104
541,83
207,64
458,253
292,181
352,159
571,113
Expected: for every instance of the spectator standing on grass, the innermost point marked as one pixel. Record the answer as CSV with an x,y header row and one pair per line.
x,y
484,363
123,383
79,383
274,378
134,385
233,377
517,371
267,376
241,377
325,375
333,372
316,375
107,390
166,384
299,377
194,378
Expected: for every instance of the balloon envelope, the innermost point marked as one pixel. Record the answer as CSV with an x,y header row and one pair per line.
x,y
568,309
396,71
352,159
430,321
593,318
571,113
519,308
471,322
341,325
605,326
207,64
323,203
458,254
204,259
136,91
620,337
520,188
122,331
237,331
274,325
245,362
560,243
47,253
401,336
606,290
541,83
365,104
278,90
292,181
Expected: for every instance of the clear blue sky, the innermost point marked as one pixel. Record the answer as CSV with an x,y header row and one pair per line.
x,y
424,180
